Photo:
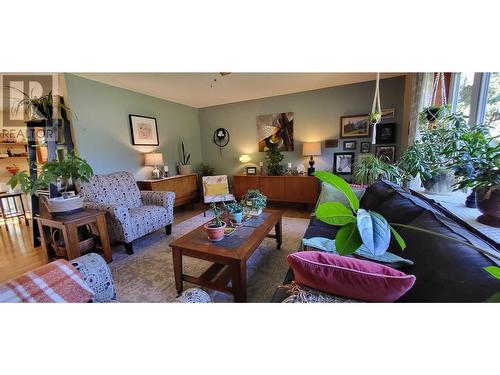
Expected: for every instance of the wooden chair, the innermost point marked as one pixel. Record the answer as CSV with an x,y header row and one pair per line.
x,y
215,190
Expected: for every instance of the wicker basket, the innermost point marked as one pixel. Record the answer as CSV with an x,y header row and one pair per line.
x,y
59,246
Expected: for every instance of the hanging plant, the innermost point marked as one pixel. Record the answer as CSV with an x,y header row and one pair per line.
x,y
434,113
375,115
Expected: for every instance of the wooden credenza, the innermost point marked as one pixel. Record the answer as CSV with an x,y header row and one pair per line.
x,y
185,187
293,189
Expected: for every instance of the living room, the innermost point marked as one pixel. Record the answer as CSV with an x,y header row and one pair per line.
x,y
197,191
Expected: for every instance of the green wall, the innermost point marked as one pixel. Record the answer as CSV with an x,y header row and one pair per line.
x,y
102,129
316,118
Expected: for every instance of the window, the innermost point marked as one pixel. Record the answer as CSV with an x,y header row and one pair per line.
x,y
492,112
477,95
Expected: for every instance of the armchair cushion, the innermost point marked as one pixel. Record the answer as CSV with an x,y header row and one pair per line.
x,y
147,219
218,198
215,185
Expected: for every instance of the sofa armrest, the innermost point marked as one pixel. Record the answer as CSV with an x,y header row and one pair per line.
x,y
159,198
117,212
97,275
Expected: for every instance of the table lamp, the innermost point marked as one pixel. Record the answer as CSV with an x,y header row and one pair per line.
x,y
311,149
154,159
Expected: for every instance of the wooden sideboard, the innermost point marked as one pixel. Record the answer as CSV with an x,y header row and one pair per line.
x,y
185,187
293,189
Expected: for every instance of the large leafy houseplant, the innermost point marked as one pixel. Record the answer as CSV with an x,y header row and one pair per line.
x,y
371,168
362,227
66,171
274,158
39,107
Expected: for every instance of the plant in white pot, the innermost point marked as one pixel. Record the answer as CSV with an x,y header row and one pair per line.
x,y
235,211
63,172
256,201
183,165
215,227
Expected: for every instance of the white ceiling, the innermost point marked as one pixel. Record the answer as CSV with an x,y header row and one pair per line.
x,y
194,89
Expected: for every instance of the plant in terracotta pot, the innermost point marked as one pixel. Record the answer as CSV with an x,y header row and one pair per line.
x,y
476,163
59,172
215,227
235,211
184,164
256,201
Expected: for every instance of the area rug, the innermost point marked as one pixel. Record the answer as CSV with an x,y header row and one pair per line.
x,y
148,274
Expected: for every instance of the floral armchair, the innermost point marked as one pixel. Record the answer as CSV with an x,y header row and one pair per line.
x,y
131,213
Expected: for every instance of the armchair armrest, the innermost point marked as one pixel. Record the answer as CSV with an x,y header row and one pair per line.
x,y
117,212
158,198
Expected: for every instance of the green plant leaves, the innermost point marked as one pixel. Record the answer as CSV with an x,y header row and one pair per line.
x,y
341,185
493,271
348,239
398,238
334,213
374,231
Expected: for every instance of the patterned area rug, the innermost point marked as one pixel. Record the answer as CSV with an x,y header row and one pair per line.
x,y
148,275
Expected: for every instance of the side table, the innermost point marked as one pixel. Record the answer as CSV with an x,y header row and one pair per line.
x,y
68,225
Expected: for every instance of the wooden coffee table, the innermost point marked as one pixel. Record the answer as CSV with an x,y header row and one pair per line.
x,y
229,256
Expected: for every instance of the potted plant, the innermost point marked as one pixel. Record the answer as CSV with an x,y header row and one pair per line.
x,y
433,113
429,157
235,211
274,158
215,228
374,117
476,163
39,107
59,172
207,170
183,165
371,168
256,201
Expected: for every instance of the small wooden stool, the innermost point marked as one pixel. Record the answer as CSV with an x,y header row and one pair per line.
x,y
68,225
12,213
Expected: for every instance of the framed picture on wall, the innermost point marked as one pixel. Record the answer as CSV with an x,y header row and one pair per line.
x,y
356,126
144,131
350,145
388,113
251,171
386,153
343,162
386,133
365,148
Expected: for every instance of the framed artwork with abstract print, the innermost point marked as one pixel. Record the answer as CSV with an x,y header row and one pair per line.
x,y
144,131
356,126
386,153
275,130
343,162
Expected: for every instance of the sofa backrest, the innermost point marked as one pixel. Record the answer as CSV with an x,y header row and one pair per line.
x,y
118,189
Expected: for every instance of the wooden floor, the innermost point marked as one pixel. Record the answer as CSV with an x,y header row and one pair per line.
x,y
17,254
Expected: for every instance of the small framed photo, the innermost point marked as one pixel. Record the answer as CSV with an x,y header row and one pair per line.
x,y
365,148
354,126
388,113
144,131
251,171
386,153
350,145
386,133
343,162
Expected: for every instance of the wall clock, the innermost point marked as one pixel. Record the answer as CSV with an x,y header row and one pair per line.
x,y
221,138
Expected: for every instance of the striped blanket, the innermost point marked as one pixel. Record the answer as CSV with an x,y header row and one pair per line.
x,y
54,282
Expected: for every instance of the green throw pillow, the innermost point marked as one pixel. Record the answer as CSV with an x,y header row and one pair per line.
x,y
332,194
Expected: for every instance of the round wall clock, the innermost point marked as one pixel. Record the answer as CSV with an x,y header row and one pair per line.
x,y
221,138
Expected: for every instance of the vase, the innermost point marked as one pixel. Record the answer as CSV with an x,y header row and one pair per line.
x,y
440,183
215,233
488,203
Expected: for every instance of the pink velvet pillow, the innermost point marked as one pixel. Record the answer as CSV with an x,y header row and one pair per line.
x,y
349,277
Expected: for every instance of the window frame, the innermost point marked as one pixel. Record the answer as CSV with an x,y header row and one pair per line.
x,y
479,96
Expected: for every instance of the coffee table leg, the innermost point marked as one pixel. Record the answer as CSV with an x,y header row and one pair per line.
x,y
239,281
177,256
278,230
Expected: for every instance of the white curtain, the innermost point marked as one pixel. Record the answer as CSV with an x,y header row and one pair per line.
x,y
421,96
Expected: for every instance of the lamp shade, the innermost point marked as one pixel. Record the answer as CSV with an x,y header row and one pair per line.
x,y
311,149
245,158
153,159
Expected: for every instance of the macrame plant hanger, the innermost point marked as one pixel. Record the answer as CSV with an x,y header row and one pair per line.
x,y
376,114
439,78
